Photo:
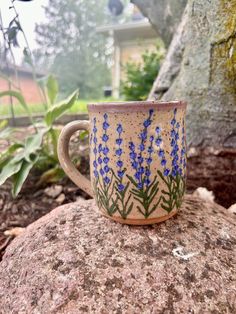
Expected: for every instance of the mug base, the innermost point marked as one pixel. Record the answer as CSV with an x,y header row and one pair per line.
x,y
141,222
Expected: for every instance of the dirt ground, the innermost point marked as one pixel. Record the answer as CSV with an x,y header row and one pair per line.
x,y
215,170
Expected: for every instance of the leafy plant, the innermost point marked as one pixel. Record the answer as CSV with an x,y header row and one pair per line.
x,y
38,149
140,77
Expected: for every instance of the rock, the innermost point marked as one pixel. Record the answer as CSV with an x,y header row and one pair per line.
x,y
192,152
204,194
73,260
79,198
60,199
53,191
14,231
232,209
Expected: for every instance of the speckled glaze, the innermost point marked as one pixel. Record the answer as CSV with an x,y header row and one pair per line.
x,y
137,160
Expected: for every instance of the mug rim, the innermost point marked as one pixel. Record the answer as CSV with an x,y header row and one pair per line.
x,y
124,106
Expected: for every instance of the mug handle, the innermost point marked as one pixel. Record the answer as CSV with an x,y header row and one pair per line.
x,y
63,155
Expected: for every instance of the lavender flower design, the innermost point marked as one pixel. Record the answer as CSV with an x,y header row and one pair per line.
x,y
110,186
105,150
125,208
144,191
94,141
105,176
183,152
95,150
119,163
161,152
174,144
172,178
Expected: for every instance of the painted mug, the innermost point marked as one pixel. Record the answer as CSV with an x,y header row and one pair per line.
x,y
137,159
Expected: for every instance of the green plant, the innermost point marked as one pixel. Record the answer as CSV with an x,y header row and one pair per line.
x,y
39,150
140,77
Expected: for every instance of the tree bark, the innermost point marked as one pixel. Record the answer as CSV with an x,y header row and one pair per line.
x,y
200,67
164,15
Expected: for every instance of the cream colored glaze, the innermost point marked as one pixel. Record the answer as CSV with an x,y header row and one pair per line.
x,y
64,158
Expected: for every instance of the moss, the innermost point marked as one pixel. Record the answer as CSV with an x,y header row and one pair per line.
x,y
223,50
228,9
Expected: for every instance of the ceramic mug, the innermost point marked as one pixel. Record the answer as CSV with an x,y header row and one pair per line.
x,y
137,159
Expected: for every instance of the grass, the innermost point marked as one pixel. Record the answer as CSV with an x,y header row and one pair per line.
x,y
79,107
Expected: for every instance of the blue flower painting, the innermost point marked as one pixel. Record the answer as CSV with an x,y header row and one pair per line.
x,y
95,150
102,171
119,163
173,176
145,189
142,169
151,163
161,152
124,206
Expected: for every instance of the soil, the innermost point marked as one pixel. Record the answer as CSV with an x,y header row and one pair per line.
x,y
213,169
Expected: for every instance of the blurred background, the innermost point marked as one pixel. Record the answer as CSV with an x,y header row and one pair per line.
x,y
58,55
74,40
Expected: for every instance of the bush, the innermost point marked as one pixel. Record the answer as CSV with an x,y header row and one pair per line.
x,y
140,77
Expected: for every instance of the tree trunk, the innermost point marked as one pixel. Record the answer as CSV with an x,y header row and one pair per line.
x,y
164,15
200,67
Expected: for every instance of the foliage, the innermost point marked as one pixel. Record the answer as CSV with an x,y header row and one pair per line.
x,y
140,77
78,54
39,150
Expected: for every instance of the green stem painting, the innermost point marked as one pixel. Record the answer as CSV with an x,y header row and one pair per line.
x,y
114,199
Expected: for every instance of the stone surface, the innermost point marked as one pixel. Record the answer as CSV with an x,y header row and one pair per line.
x,y
164,15
73,260
54,190
204,194
232,209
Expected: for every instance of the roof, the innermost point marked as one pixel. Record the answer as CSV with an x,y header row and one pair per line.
x,y
20,70
129,30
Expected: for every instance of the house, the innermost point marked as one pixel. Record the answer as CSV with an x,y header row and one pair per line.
x,y
131,40
21,78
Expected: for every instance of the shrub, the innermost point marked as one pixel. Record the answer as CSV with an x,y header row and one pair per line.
x,y
140,77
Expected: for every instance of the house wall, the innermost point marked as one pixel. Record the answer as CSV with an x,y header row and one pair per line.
x,y
132,52
28,88
128,51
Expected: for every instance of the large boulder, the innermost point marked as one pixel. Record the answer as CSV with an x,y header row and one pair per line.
x,y
73,260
